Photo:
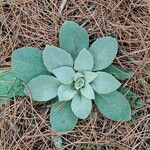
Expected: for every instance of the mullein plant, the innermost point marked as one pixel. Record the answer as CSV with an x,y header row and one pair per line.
x,y
75,75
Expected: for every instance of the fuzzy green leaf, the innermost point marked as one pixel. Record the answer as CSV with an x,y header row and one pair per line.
x,y
62,118
114,106
43,88
84,61
90,76
104,51
57,142
10,86
64,74
88,92
27,63
105,83
135,100
78,75
119,73
73,38
81,106
66,92
55,57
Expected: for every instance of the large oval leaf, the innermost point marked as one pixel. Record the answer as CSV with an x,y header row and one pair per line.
x,y
73,38
55,57
104,51
114,106
64,74
105,83
119,73
27,63
43,88
81,106
84,61
62,118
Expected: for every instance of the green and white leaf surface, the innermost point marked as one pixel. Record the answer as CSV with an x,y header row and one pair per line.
x,y
54,57
81,106
114,106
73,38
105,83
27,63
104,51
62,118
43,88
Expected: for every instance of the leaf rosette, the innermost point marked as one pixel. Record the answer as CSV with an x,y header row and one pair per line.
x,y
76,74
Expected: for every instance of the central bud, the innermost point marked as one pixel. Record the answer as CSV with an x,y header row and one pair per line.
x,y
79,83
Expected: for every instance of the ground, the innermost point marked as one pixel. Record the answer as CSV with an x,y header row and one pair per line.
x,y
24,124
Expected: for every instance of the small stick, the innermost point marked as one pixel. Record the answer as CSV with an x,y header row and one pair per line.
x,y
62,6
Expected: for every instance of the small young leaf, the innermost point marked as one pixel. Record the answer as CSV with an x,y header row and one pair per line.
x,y
145,85
84,61
88,92
57,142
10,86
62,118
55,57
66,92
114,106
73,38
119,73
134,99
147,70
105,83
104,51
43,88
27,63
64,74
78,75
81,106
90,76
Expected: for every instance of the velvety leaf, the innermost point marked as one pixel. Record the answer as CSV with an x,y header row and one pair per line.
x,y
114,106
43,88
57,142
10,86
104,51
73,38
79,83
119,73
135,100
88,92
55,57
105,83
81,106
78,75
27,63
90,76
66,92
84,61
64,74
62,118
